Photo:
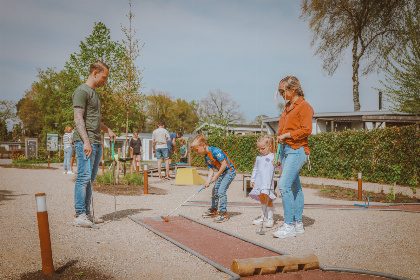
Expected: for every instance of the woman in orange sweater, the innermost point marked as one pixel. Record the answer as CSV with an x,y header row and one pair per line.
x,y
294,128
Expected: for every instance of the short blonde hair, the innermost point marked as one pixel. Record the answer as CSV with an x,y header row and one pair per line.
x,y
68,129
182,141
266,139
199,140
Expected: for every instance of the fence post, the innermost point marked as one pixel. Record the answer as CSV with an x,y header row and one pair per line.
x,y
44,234
359,193
146,179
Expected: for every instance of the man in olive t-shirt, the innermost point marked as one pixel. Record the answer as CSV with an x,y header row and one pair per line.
x,y
87,140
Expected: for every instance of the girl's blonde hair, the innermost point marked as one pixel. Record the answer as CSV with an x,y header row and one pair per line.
x,y
198,140
68,129
182,141
266,139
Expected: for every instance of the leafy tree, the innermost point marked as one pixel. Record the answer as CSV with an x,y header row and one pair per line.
x,y
183,116
129,86
158,105
99,47
30,114
4,135
368,26
218,107
402,87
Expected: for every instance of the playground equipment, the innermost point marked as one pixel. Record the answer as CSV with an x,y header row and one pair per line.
x,y
188,176
365,206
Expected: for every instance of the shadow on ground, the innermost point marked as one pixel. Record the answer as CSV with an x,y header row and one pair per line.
x,y
6,195
68,271
122,214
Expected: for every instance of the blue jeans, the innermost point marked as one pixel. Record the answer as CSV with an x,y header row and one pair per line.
x,y
162,153
290,187
83,188
219,190
67,157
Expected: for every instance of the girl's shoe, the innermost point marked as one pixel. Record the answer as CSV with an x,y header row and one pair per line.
x,y
269,223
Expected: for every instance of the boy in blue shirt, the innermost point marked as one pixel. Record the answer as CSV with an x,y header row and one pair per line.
x,y
222,171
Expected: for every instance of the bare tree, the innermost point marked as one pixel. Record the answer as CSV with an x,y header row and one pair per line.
x,y
368,26
218,106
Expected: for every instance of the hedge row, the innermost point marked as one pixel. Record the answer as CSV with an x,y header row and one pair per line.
x,y
383,155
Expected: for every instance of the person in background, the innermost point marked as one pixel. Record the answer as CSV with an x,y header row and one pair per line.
x,y
160,137
68,144
295,126
135,143
183,150
172,149
73,154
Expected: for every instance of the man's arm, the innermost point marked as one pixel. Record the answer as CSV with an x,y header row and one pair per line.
x,y
81,128
106,129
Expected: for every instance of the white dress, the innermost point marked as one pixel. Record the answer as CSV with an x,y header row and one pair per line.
x,y
262,177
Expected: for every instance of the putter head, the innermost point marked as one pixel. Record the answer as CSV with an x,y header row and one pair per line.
x,y
260,232
94,226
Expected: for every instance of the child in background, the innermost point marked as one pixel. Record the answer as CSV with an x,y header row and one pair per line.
x,y
183,151
217,160
262,182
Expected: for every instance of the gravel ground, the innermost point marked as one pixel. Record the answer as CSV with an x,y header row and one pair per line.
x,y
385,241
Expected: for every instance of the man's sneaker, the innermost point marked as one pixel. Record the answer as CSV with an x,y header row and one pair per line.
x,y
160,178
97,220
299,227
209,213
223,217
257,221
167,178
269,223
82,221
70,172
285,231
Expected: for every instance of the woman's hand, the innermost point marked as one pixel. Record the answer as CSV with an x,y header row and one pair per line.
x,y
281,138
252,185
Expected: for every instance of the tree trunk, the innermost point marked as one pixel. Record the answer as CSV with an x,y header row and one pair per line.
x,y
355,77
126,133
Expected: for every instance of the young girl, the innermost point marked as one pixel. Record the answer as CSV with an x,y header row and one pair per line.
x,y
262,181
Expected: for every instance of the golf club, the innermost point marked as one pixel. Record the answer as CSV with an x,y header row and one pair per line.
x,y
113,179
166,217
91,187
261,232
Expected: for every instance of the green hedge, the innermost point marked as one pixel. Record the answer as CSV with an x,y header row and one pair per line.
x,y
383,155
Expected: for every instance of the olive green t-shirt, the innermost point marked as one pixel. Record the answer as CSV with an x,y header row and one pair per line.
x,y
87,98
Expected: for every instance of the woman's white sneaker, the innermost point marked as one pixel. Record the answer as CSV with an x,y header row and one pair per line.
x,y
258,221
299,227
285,231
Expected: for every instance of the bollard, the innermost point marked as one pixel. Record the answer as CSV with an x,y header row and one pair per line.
x,y
103,166
48,160
44,234
146,180
137,166
359,193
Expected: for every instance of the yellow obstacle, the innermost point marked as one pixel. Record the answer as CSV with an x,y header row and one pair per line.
x,y
188,176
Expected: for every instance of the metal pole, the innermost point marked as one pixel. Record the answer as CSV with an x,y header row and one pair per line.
x,y
146,179
44,234
359,193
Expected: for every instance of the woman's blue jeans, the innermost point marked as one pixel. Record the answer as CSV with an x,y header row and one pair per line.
x,y
219,190
67,157
290,187
83,188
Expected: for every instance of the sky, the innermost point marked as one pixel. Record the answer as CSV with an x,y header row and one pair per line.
x,y
242,47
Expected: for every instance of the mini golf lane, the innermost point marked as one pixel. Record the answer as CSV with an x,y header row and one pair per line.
x,y
220,248
405,207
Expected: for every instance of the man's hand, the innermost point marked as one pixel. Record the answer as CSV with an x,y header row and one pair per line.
x,y
112,135
87,148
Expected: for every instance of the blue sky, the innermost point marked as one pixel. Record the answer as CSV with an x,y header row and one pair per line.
x,y
242,47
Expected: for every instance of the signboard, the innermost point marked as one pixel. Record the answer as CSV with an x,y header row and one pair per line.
x,y
31,148
52,142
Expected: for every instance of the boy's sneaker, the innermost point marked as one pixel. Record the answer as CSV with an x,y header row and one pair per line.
x,y
97,220
223,217
82,221
258,221
209,213
299,227
285,231
269,223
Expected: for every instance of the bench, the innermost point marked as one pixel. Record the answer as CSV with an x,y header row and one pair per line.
x,y
246,183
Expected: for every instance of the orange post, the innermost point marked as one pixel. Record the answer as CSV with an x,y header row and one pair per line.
x,y
48,160
44,234
146,179
359,192
103,166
